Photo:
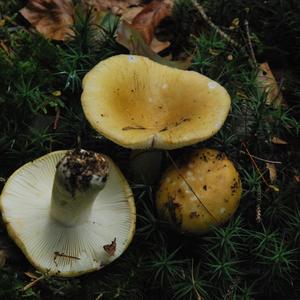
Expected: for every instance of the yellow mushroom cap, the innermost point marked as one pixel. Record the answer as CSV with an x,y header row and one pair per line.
x,y
203,190
138,103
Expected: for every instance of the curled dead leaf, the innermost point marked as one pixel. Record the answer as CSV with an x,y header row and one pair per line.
x,y
52,18
130,38
116,6
278,141
268,83
272,171
149,18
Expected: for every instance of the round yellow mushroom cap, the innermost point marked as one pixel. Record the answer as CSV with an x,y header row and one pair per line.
x,y
138,103
200,191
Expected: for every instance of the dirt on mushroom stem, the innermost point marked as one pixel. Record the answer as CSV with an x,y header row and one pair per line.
x,y
79,167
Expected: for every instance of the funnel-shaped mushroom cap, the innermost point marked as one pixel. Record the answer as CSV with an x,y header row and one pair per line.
x,y
32,203
138,103
201,190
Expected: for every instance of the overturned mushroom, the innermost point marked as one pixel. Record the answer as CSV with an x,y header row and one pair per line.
x,y
71,212
138,103
199,191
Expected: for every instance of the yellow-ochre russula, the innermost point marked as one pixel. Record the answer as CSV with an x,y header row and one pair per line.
x,y
70,212
139,104
201,190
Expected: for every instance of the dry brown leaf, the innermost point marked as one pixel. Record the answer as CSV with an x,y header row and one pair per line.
x,y
158,46
149,18
268,83
130,13
130,38
117,7
272,171
52,18
278,141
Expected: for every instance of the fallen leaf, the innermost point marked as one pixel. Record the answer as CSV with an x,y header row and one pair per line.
x,y
52,18
158,46
278,141
268,83
2,22
272,171
297,179
149,18
130,13
117,7
111,248
130,38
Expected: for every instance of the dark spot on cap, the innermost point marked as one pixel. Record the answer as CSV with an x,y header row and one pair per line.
x,y
221,156
205,187
194,215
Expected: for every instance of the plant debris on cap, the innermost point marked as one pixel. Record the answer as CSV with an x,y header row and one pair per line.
x,y
138,103
70,212
201,190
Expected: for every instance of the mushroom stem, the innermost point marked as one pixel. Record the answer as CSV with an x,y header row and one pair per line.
x,y
145,165
80,176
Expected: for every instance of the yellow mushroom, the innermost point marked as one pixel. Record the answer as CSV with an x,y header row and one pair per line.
x,y
200,191
140,104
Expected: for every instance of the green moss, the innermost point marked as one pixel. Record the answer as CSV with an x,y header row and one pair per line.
x,y
243,259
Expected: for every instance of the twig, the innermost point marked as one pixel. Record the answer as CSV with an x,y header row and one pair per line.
x,y
262,159
31,284
57,115
255,165
189,186
201,11
99,296
252,55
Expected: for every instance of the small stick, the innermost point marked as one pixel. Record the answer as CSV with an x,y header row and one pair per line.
x,y
255,164
57,115
252,55
213,25
99,296
31,284
262,159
